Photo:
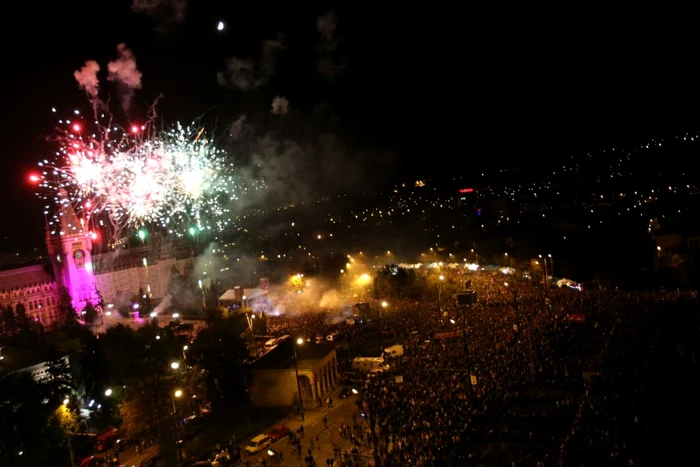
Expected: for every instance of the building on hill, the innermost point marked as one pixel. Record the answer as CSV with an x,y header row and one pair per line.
x,y
274,378
75,270
34,360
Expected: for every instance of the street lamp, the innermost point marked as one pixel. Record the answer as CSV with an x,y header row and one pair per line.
x,y
385,304
176,395
175,366
299,341
70,446
108,392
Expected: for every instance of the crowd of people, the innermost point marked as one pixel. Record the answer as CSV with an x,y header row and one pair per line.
x,y
527,375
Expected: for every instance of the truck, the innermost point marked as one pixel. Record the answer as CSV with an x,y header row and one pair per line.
x,y
370,364
394,351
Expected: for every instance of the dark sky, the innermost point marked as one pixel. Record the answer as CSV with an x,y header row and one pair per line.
x,y
444,90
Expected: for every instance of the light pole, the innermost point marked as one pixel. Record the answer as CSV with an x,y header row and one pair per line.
x,y
437,291
176,395
529,329
381,331
299,341
250,317
70,446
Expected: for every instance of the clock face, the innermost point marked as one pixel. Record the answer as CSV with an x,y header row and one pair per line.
x,y
78,254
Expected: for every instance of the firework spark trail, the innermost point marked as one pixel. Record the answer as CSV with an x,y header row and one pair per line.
x,y
140,177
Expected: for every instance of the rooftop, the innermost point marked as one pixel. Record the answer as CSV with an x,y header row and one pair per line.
x,y
281,357
248,294
25,276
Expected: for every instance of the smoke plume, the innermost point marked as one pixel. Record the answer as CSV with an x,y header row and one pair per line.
x,y
167,11
124,72
240,129
246,74
87,78
301,160
328,64
280,106
164,304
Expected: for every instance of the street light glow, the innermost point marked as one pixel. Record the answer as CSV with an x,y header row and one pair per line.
x,y
175,365
178,393
300,341
385,304
108,392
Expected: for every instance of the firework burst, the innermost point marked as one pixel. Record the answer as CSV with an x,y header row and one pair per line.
x,y
174,178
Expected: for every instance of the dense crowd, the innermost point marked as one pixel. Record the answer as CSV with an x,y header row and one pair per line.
x,y
552,381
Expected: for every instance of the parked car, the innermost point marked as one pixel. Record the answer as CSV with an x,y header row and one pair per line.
x,y
278,432
257,444
347,392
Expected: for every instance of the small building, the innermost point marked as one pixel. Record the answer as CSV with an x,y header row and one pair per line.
x,y
274,378
255,298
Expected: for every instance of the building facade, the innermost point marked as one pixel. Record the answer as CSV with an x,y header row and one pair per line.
x,y
274,381
74,269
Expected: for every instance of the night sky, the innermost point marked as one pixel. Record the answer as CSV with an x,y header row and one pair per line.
x,y
436,91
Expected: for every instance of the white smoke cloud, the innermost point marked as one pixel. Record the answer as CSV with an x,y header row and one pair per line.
x,y
87,78
280,105
240,129
328,64
332,299
326,25
245,74
124,72
162,10
164,304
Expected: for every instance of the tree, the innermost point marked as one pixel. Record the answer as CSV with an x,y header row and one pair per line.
x,y
9,323
217,314
100,306
68,317
23,421
144,301
59,380
93,369
145,402
89,313
21,318
395,281
218,353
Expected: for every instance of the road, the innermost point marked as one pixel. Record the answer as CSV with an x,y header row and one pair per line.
x,y
341,412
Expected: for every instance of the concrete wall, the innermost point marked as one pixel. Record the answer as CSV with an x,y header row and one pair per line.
x,y
274,388
131,280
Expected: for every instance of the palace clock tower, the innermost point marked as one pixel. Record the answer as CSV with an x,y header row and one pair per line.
x,y
69,247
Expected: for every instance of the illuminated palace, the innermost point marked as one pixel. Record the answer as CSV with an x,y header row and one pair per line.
x,y
73,268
